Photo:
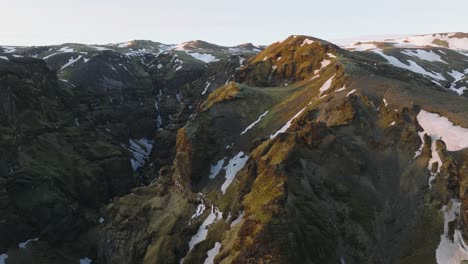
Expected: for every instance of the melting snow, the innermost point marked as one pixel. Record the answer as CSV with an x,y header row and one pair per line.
x,y
70,62
66,49
3,258
414,67
85,261
7,49
212,253
233,167
202,232
140,148
385,102
237,220
25,244
331,55
216,169
350,93
326,85
287,125
448,251
307,42
424,55
455,137
254,123
205,57
100,48
393,123
324,63
206,87
341,89
3,57
361,46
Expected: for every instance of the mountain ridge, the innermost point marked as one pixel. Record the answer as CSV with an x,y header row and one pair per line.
x,y
301,152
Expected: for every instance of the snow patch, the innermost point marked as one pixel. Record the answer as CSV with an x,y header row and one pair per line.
x,y
70,62
216,169
307,42
25,244
254,123
66,49
85,261
205,57
233,167
212,253
326,85
202,232
287,125
3,258
451,251
140,148
413,66
424,55
350,93
237,220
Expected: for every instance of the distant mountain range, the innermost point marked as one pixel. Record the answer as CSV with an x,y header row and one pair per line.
x,y
303,151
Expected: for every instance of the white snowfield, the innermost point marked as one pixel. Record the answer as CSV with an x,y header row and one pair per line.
x,y
455,138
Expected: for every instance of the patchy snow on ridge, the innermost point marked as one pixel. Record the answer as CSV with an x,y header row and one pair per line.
x,y
326,85
351,92
424,55
237,220
216,169
8,49
70,62
200,209
66,49
436,126
359,46
140,148
202,232
254,123
413,66
3,258
307,42
212,253
287,125
85,261
233,167
205,57
25,243
3,58
451,251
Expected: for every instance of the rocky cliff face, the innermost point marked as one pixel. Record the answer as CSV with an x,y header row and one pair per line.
x,y
306,152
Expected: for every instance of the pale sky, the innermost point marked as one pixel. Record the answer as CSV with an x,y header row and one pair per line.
x,y
41,22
